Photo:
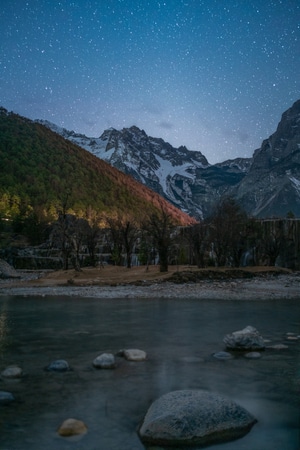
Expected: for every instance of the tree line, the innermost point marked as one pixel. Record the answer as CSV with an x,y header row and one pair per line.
x,y
227,238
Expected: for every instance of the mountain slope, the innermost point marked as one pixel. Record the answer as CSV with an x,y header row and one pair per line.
x,y
40,168
272,185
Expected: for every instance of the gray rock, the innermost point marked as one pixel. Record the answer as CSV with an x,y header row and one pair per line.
x,y
105,361
6,398
246,339
192,417
60,365
12,372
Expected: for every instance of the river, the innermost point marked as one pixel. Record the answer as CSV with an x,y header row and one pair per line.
x,y
179,336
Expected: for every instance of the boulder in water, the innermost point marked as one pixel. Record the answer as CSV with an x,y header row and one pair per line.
x,y
193,417
244,340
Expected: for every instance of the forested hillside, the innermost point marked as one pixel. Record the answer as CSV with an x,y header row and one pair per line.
x,y
41,172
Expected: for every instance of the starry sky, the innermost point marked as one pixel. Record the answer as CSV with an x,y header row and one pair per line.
x,y
214,75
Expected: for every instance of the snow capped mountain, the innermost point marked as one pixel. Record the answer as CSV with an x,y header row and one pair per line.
x,y
167,170
268,184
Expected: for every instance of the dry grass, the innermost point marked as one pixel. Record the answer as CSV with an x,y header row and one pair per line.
x,y
114,275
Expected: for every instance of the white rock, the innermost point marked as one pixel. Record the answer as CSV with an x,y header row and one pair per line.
x,y
134,354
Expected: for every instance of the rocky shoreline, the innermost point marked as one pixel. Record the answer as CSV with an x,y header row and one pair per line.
x,y
283,286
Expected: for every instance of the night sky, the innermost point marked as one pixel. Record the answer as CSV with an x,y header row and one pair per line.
x,y
213,75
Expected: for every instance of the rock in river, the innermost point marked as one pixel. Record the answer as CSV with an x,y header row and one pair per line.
x,y
6,398
133,354
194,417
60,365
72,427
244,340
105,361
12,372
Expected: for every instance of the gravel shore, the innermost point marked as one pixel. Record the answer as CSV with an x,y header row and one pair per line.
x,y
268,287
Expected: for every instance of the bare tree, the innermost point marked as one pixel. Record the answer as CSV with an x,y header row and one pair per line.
x,y
160,226
124,232
272,240
93,233
196,237
226,225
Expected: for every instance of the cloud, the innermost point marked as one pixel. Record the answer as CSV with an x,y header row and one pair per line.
x,y
166,125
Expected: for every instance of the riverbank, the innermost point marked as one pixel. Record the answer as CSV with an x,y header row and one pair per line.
x,y
180,282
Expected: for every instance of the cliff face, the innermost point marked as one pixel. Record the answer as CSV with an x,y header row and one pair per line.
x,y
272,185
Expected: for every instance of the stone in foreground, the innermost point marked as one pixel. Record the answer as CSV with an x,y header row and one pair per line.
x,y
72,427
193,417
244,340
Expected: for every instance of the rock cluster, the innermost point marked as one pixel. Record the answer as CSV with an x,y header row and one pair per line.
x,y
244,340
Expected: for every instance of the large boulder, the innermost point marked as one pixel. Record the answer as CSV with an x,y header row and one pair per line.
x,y
244,340
193,417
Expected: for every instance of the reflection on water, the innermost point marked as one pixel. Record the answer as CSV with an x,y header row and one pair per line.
x,y
179,337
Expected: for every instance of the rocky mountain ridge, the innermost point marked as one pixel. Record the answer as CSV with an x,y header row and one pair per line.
x,y
268,184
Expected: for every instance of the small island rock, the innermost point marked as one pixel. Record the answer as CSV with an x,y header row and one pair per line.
x,y
193,417
72,427
244,340
105,361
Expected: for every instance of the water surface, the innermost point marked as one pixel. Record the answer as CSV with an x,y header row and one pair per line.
x,y
179,337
